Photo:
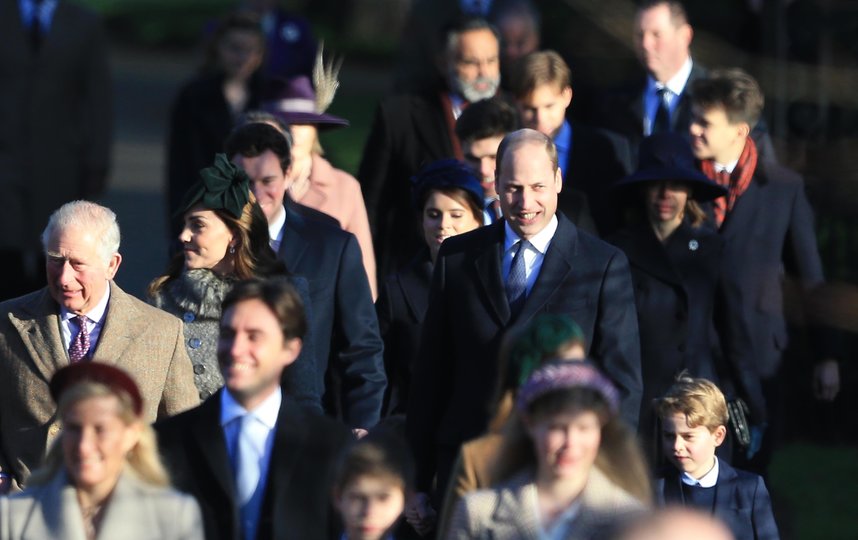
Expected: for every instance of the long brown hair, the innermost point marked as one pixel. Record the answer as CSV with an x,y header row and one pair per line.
x,y
253,256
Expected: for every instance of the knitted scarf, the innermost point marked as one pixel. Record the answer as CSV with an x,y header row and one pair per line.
x,y
736,182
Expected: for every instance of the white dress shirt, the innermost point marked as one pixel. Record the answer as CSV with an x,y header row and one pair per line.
x,y
94,322
728,167
534,255
275,230
708,480
266,413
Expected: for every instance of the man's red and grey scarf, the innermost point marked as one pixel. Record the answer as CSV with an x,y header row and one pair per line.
x,y
736,183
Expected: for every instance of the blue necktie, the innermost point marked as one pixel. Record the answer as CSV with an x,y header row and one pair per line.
x,y
249,451
516,282
661,122
36,26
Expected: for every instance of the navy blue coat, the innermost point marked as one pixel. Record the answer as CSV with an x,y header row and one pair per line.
x,y
301,471
680,292
741,501
401,308
345,327
770,232
457,366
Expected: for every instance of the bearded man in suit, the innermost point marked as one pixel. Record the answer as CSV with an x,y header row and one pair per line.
x,y
82,315
411,130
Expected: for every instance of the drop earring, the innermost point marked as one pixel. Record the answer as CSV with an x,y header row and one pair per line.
x,y
232,250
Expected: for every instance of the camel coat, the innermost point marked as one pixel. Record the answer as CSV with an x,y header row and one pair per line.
x,y
143,340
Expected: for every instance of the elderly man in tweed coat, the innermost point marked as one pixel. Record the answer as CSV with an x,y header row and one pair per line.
x,y
82,315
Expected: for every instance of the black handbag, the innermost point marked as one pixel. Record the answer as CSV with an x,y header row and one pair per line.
x,y
738,412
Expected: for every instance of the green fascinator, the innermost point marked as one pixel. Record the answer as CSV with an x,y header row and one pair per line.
x,y
223,186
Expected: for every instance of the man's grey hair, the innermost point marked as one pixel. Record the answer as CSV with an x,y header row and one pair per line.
x,y
460,26
98,220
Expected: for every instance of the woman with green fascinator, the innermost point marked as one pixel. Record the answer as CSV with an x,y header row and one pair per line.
x,y
224,240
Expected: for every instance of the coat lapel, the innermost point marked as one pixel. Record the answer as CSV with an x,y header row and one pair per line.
x,y
55,513
745,212
121,326
513,513
429,120
125,516
289,439
488,267
555,268
725,500
208,436
646,252
292,245
415,284
38,324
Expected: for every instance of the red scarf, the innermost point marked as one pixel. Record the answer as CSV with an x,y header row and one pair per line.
x,y
736,182
450,120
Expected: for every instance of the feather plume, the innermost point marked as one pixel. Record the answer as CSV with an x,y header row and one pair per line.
x,y
325,79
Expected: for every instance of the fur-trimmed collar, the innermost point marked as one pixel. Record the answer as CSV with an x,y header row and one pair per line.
x,y
199,291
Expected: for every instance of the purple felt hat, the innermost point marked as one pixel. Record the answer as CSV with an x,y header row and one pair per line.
x,y
294,101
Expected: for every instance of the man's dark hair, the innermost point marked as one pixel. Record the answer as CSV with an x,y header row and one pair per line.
x,y
279,296
252,140
486,118
678,15
732,89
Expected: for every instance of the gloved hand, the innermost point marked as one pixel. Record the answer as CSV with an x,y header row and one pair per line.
x,y
756,440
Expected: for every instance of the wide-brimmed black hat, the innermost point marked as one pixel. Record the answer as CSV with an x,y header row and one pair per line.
x,y
667,156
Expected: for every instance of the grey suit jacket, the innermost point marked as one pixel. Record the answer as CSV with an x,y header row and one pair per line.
x,y
144,341
136,511
508,512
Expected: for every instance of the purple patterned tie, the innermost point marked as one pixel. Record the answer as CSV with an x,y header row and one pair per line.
x,y
79,346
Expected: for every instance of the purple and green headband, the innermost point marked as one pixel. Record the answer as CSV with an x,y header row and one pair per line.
x,y
566,375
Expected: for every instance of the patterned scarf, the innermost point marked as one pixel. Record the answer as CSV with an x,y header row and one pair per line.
x,y
736,183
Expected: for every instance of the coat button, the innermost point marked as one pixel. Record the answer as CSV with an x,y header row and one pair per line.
x,y
199,369
693,245
204,395
188,317
195,343
53,430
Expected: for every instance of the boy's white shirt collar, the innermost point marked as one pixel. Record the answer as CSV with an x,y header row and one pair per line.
x,y
708,480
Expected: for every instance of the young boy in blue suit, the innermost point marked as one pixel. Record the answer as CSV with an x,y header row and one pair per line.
x,y
694,418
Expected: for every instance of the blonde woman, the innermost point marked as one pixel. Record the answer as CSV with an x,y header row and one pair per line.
x,y
103,478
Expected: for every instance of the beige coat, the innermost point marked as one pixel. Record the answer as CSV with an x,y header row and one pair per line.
x,y
143,340
338,194
508,512
136,511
